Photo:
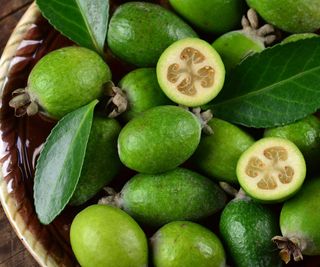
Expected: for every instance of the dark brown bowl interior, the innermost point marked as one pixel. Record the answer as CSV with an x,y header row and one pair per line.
x,y
22,139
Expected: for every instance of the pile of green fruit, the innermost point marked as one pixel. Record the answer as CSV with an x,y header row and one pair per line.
x,y
168,126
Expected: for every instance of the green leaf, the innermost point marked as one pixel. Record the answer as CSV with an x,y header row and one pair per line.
x,y
59,165
84,22
275,87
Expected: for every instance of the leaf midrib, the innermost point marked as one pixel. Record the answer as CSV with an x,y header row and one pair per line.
x,y
72,145
266,88
48,216
94,40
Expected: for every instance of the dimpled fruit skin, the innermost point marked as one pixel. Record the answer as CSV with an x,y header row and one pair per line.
x,y
143,92
247,228
217,154
159,140
180,194
305,134
67,79
234,46
289,15
139,32
106,236
186,244
101,162
300,217
214,16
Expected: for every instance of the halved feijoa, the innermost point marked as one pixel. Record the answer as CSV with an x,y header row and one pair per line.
x,y
271,170
190,72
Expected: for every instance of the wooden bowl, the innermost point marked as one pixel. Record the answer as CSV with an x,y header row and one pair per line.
x,y
21,140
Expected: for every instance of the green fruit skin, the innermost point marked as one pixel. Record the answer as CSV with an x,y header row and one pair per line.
x,y
247,228
179,194
143,92
67,79
217,154
299,36
159,140
294,16
235,46
300,217
106,236
101,163
305,134
187,244
139,32
214,16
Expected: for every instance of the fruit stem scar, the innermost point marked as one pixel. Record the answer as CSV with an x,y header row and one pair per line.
x,y
256,167
191,57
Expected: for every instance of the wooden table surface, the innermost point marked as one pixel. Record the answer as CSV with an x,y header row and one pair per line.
x,y
12,251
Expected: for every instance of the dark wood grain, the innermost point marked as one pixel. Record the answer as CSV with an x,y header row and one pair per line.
x,y
10,13
12,251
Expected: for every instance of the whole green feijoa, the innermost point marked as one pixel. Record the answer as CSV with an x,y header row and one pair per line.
x,y
234,46
142,91
247,228
305,134
186,244
217,154
299,223
214,16
180,194
299,16
159,140
139,32
63,81
103,236
101,162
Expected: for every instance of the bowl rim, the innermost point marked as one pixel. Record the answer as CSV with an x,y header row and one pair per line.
x,y
30,241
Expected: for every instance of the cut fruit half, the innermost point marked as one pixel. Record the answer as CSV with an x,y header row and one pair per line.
x,y
190,72
271,170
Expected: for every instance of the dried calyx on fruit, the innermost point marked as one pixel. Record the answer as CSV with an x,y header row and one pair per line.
x,y
234,46
287,248
137,92
271,170
117,103
299,223
190,72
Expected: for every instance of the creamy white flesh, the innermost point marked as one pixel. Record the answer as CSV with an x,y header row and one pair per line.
x,y
272,169
190,72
